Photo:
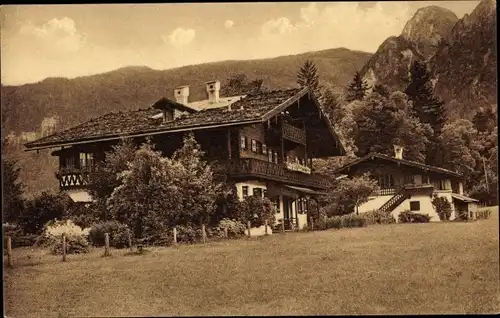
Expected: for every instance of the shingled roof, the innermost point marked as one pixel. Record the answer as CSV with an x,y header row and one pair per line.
x,y
251,109
405,162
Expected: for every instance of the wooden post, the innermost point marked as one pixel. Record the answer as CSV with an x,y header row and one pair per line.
x,y
265,227
226,234
175,235
64,247
129,238
311,221
249,224
106,244
203,233
9,251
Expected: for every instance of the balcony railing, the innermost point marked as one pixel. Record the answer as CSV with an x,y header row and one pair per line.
x,y
276,172
294,134
73,178
408,186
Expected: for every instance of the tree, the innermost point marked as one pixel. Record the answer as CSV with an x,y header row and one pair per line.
x,y
426,106
331,105
442,206
381,123
348,194
239,84
42,209
105,178
158,192
308,77
484,120
382,90
358,88
12,195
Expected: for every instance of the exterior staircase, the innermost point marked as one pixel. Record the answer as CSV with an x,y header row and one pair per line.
x,y
396,200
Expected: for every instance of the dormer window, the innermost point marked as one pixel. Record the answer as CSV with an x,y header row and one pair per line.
x,y
86,159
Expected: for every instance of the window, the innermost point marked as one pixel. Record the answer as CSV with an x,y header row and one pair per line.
x,y
245,191
264,149
302,206
254,145
276,203
257,192
386,181
276,157
270,155
243,142
86,159
69,162
258,148
265,193
414,205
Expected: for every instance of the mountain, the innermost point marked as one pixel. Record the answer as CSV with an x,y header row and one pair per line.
x,y
465,64
77,100
418,41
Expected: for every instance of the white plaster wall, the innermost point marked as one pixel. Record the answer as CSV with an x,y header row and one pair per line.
x,y
374,203
426,207
251,185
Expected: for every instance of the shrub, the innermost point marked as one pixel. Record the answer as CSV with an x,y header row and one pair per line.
x,y
235,228
257,210
187,234
18,237
352,220
411,217
442,206
483,214
305,228
76,237
334,222
378,217
118,234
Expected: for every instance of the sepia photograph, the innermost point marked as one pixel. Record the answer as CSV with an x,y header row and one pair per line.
x,y
250,159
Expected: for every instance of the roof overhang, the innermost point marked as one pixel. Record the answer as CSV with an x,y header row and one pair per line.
x,y
463,198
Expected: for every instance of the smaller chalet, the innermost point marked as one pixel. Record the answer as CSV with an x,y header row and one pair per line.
x,y
408,185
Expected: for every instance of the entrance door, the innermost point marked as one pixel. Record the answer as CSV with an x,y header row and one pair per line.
x,y
287,212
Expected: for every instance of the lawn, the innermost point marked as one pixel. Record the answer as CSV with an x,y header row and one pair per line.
x,y
391,269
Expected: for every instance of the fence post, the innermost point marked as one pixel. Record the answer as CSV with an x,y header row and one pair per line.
x,y
249,224
106,244
311,220
129,238
64,247
175,235
204,234
226,234
265,227
9,251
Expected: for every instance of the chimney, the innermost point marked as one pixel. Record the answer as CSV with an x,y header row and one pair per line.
x,y
398,152
213,88
181,94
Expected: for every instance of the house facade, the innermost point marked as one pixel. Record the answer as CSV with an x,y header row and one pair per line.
x,y
409,186
266,142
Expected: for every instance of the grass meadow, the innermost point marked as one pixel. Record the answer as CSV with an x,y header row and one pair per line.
x,y
449,267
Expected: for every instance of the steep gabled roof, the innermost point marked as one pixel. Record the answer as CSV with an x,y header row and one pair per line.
x,y
405,162
253,108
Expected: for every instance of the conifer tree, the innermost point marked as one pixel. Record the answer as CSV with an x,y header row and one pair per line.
x,y
358,88
426,106
308,76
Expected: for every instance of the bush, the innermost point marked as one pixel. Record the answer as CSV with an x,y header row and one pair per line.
x,y
483,214
442,206
334,222
378,217
411,217
76,237
352,220
18,237
235,229
118,234
305,228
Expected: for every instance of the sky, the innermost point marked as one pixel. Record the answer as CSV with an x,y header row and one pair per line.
x,y
40,41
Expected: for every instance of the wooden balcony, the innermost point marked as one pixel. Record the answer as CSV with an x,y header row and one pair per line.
x,y
73,178
249,167
293,133
409,186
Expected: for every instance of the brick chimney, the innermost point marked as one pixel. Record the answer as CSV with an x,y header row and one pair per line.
x,y
213,88
398,151
181,94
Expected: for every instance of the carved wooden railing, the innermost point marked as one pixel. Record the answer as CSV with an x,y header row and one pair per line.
x,y
276,172
73,178
293,133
